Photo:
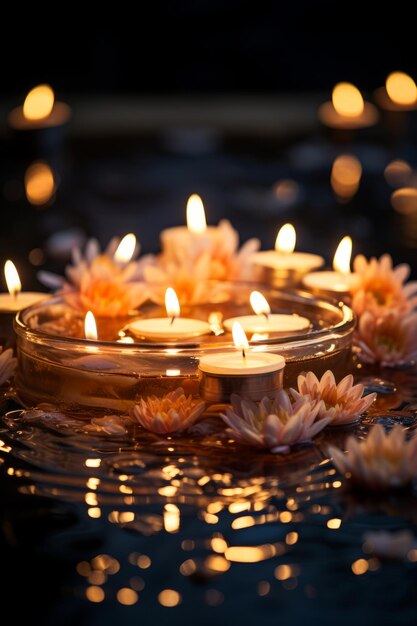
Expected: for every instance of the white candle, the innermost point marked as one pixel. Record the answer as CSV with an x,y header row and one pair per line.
x,y
171,328
339,281
347,110
40,110
266,322
16,300
284,258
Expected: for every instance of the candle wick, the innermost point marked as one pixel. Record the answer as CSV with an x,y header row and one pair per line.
x,y
266,316
172,320
243,353
15,294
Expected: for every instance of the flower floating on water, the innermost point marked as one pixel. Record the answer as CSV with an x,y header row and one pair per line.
x,y
108,284
192,270
342,403
381,286
111,424
276,424
174,412
380,461
390,340
7,365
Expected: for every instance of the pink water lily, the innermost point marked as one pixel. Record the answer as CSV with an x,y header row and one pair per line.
x,y
173,412
276,424
390,340
342,403
7,365
380,461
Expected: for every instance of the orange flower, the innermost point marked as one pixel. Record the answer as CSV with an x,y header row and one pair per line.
x,y
390,340
171,413
382,287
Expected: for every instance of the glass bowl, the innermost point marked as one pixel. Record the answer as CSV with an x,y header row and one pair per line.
x,y
57,365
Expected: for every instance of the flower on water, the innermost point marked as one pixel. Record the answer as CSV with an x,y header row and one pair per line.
x,y
97,282
191,270
276,423
342,403
380,461
390,340
7,365
111,424
382,287
174,412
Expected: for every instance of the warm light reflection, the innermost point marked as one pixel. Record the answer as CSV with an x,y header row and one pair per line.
x,y
172,372
250,554
217,563
218,544
341,261
239,337
360,567
196,217
39,183
285,241
334,523
11,274
404,201
127,596
95,594
347,100
94,512
172,304
38,103
401,88
169,598
90,326
125,249
92,462
171,518
259,303
345,176
397,173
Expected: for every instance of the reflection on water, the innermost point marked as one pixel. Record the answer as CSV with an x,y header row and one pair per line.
x,y
184,521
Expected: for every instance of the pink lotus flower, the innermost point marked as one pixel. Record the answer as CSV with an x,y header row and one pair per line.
x,y
382,287
97,282
380,461
341,403
171,413
276,424
192,270
7,365
390,340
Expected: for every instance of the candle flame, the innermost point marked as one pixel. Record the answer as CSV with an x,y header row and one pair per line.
x,y
259,303
171,303
196,217
347,100
285,241
90,326
11,274
345,176
401,88
239,337
341,261
39,183
125,249
38,103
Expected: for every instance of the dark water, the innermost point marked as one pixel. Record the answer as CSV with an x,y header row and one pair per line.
x,y
98,529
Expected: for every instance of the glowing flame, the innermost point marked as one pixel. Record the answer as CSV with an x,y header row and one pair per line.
x,y
171,518
347,100
341,261
39,183
125,249
38,103
239,337
401,88
196,217
171,303
12,278
285,241
90,326
259,303
345,176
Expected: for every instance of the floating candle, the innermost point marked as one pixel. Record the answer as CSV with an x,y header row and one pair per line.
x,y
171,328
283,258
339,281
265,322
347,110
252,374
17,299
40,110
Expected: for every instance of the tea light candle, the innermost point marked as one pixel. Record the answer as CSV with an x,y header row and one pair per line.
x,y
14,301
196,233
266,322
39,110
283,263
246,372
399,93
171,328
337,282
347,110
